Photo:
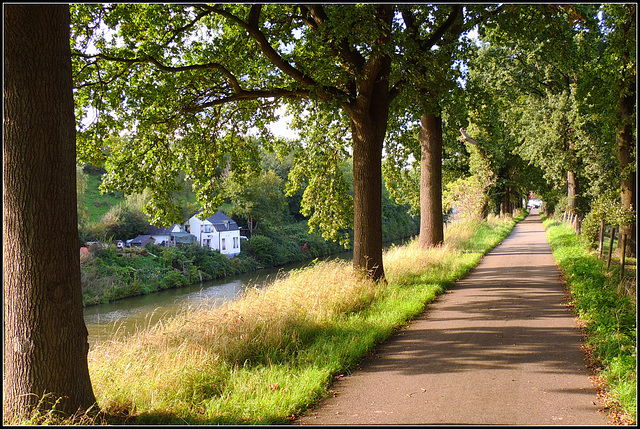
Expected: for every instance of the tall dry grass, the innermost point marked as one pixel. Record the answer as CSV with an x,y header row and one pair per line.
x,y
190,357
196,364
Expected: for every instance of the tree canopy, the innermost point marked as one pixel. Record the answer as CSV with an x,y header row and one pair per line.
x,y
190,82
189,79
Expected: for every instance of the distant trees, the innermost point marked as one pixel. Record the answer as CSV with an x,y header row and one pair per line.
x,y
45,338
256,198
566,74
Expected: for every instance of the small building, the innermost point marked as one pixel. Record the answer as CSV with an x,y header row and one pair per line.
x,y
141,241
164,236
218,232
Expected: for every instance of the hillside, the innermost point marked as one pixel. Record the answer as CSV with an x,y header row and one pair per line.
x,y
97,203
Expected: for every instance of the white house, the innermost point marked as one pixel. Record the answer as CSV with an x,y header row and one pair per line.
x,y
218,232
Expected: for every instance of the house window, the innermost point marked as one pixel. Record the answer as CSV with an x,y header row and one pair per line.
x,y
207,228
224,246
236,241
206,242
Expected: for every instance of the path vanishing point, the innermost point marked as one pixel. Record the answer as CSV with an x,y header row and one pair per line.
x,y
501,348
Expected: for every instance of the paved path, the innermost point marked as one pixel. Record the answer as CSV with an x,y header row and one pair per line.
x,y
501,348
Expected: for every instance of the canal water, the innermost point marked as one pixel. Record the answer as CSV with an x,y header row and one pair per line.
x,y
126,316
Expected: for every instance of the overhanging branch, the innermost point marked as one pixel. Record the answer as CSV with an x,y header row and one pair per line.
x,y
465,137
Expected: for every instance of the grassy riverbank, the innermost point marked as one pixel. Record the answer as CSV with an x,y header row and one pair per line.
x,y
607,310
109,274
269,356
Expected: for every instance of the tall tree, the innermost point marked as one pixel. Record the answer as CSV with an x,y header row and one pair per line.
x,y
432,82
540,77
173,72
437,47
45,348
615,88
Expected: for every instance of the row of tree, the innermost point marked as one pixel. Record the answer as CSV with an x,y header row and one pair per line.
x,y
551,85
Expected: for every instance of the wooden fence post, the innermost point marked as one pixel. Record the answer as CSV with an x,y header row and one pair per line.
x,y
624,251
601,238
613,234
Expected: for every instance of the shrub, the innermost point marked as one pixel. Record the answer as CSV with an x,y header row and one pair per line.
x,y
263,249
606,207
174,279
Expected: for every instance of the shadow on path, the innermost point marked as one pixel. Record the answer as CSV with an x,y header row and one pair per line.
x,y
501,347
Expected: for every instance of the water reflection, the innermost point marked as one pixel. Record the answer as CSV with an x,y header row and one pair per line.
x,y
120,318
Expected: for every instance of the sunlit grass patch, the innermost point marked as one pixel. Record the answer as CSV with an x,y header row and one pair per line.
x,y
273,353
609,317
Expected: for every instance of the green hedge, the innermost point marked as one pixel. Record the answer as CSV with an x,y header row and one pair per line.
x,y
110,274
609,317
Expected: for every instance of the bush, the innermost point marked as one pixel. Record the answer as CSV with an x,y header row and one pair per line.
x,y
263,249
609,317
606,207
173,279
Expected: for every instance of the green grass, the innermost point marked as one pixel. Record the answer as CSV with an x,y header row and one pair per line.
x,y
272,354
608,315
98,204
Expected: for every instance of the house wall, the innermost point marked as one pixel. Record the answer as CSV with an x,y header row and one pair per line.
x,y
166,238
160,238
231,246
214,239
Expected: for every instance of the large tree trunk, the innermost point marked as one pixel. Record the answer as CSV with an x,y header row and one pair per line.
x,y
368,138
369,115
45,335
572,181
624,151
430,137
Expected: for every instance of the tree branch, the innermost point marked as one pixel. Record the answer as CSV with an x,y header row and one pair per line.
x,y
428,44
325,93
238,92
465,137
249,95
342,48
188,26
425,45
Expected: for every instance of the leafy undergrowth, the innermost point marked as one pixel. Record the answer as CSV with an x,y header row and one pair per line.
x,y
269,356
608,316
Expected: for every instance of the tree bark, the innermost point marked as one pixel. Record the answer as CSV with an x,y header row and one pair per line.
x,y
572,186
431,225
368,131
572,181
624,152
505,204
45,336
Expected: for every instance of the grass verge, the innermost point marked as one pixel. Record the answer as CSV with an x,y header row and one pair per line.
x,y
608,317
269,356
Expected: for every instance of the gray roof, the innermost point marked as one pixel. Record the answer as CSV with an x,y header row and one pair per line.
x,y
141,239
222,222
160,230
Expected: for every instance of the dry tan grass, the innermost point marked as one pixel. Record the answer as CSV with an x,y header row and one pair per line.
x,y
164,361
192,356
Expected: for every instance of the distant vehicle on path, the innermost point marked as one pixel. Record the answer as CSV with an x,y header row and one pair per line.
x,y
534,203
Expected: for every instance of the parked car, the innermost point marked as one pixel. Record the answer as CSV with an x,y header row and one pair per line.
x,y
534,204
